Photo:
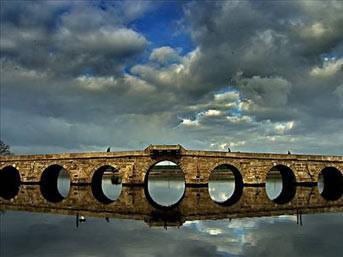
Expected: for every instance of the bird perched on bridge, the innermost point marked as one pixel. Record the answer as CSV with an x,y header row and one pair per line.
x,y
229,150
108,149
289,152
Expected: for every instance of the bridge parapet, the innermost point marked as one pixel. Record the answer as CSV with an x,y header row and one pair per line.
x,y
196,165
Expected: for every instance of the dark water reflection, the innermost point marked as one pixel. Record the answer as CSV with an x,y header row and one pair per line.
x,y
32,234
42,234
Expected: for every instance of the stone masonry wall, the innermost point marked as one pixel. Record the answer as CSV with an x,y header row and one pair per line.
x,y
196,165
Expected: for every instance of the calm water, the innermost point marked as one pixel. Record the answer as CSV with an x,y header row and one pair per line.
x,y
47,234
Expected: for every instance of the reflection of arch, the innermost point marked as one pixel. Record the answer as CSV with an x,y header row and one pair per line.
x,y
238,191
146,189
48,183
96,185
9,182
333,183
288,183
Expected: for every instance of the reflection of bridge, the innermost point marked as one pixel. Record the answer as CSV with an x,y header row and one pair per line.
x,y
195,205
196,165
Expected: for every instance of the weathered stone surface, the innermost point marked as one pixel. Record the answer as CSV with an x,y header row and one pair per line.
x,y
196,165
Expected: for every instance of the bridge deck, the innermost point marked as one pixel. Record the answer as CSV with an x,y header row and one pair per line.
x,y
184,152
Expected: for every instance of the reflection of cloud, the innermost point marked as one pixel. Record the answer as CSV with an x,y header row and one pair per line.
x,y
292,241
214,231
220,191
166,192
43,234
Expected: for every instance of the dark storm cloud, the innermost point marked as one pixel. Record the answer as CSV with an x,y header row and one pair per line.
x,y
260,39
67,39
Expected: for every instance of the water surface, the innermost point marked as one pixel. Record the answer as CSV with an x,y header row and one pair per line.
x,y
47,234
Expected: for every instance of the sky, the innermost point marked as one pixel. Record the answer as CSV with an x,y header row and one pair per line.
x,y
257,76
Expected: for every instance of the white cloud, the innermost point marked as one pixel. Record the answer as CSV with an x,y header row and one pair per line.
x,y
239,119
282,128
225,146
231,96
212,113
165,55
329,68
189,123
316,30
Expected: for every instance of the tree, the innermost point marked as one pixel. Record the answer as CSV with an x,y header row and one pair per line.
x,y
4,149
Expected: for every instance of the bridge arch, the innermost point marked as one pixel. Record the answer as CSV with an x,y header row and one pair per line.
x,y
153,163
49,183
330,183
99,182
175,171
10,181
291,167
236,164
223,171
288,183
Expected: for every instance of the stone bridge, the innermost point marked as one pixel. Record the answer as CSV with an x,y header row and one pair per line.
x,y
133,166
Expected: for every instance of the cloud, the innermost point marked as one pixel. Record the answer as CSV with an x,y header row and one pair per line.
x,y
189,123
271,92
281,128
268,75
339,92
212,113
164,55
61,42
137,10
329,68
239,119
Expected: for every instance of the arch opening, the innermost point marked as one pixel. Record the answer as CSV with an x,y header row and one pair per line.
x,y
330,183
9,182
55,183
280,184
225,185
165,184
106,184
